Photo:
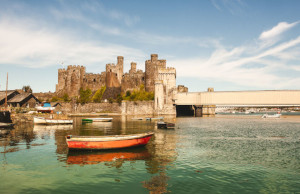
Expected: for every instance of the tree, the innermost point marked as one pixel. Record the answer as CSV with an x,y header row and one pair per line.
x,y
85,95
54,99
119,99
66,98
98,95
27,89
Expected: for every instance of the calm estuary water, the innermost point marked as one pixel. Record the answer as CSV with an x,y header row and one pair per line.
x,y
222,154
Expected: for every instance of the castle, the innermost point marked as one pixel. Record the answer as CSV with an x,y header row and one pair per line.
x,y
157,78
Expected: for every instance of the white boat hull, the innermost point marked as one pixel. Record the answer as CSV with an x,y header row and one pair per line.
x,y
100,119
41,120
271,116
45,109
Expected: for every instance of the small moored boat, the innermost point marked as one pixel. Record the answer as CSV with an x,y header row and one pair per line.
x,y
89,120
108,142
165,125
6,125
158,118
44,121
271,116
139,119
45,108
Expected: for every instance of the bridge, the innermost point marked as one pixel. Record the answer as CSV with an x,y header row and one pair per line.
x,y
206,102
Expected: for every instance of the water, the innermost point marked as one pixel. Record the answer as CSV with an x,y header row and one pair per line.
x,y
222,154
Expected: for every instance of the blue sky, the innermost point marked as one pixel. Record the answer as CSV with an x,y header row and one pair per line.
x,y
225,44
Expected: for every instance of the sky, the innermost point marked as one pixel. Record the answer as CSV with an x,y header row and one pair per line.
x,y
230,45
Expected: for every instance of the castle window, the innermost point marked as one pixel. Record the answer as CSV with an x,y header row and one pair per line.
x,y
143,79
94,80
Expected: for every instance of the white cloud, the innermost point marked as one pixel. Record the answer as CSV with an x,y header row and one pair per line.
x,y
277,30
247,65
26,45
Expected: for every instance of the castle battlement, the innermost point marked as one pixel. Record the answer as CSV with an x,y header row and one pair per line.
x,y
167,70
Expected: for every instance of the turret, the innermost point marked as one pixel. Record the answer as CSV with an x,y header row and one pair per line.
x,y
133,68
154,57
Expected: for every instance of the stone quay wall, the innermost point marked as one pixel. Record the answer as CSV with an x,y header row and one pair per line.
x,y
125,108
105,107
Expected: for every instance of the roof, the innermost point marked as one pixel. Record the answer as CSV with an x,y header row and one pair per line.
x,y
21,97
3,93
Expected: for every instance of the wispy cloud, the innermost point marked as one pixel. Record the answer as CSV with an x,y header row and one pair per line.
x,y
248,65
23,44
235,7
277,30
65,11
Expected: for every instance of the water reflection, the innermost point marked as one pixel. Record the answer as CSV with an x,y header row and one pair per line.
x,y
115,156
14,136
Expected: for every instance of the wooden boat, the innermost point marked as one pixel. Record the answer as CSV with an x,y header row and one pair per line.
x,y
6,125
165,125
271,116
157,118
45,108
89,120
108,142
44,121
137,119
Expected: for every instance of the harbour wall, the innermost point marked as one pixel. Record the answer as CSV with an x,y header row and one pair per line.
x,y
125,108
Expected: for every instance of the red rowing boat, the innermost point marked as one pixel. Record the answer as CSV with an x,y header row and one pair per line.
x,y
108,142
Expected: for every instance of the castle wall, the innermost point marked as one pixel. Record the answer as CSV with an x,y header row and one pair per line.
x,y
132,80
93,81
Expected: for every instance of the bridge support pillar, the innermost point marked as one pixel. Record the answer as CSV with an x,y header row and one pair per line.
x,y
198,111
209,109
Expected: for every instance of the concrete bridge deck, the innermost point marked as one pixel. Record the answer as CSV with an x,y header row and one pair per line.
x,y
267,98
204,103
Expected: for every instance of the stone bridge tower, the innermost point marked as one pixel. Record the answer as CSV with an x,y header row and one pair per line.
x,y
165,91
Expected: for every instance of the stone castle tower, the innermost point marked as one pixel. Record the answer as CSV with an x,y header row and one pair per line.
x,y
70,80
151,71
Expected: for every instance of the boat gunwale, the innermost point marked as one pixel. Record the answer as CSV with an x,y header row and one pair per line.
x,y
109,138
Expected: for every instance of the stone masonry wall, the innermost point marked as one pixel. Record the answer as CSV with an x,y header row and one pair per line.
x,y
132,80
137,107
126,108
90,108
